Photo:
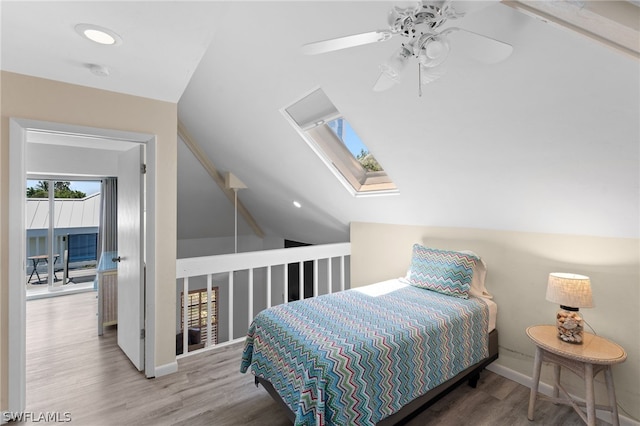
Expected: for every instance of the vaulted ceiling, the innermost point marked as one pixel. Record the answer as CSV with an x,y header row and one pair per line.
x,y
547,141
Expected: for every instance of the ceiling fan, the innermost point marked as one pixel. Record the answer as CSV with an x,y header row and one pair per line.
x,y
419,25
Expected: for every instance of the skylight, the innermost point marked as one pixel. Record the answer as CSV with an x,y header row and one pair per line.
x,y
337,144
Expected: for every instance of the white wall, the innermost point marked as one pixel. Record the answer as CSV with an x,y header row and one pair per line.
x,y
518,265
49,101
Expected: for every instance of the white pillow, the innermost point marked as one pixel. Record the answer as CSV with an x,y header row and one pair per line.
x,y
479,274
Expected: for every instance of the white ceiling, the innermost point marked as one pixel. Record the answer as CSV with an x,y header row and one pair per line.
x,y
162,43
547,141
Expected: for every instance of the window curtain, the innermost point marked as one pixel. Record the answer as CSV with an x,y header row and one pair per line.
x,y
109,216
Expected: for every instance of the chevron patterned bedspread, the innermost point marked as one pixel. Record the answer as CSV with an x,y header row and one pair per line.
x,y
358,356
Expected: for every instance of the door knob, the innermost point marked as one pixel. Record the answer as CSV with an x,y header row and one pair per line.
x,y
116,259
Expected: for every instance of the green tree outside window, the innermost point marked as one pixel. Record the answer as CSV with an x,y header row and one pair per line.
x,y
60,190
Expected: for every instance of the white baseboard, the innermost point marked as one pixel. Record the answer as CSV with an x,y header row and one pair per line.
x,y
547,389
166,369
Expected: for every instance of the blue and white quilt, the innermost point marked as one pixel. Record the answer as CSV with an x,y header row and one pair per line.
x,y
358,356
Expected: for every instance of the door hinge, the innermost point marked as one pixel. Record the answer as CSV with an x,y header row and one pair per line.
x,y
142,333
143,168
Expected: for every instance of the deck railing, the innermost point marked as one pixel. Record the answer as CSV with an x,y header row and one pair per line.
x,y
260,277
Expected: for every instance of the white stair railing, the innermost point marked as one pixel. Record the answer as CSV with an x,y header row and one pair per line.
x,y
267,270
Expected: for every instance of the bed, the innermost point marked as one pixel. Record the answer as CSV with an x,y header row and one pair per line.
x,y
377,354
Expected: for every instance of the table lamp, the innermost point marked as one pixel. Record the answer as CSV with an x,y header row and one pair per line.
x,y
571,292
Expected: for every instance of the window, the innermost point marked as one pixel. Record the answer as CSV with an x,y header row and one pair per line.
x,y
333,139
197,313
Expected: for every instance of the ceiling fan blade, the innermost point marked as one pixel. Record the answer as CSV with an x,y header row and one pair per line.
x,y
428,75
384,82
431,74
477,46
462,8
391,71
346,42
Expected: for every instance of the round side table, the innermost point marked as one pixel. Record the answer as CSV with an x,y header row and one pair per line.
x,y
594,355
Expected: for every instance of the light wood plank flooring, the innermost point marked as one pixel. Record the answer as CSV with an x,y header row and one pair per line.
x,y
71,369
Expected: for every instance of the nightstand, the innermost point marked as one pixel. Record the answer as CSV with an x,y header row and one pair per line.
x,y
594,355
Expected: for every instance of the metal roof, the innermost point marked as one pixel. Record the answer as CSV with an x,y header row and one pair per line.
x,y
69,212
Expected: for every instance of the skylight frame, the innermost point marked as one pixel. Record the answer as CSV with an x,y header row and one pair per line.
x,y
335,155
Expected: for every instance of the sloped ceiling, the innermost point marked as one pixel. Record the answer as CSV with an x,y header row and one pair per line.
x,y
162,43
547,141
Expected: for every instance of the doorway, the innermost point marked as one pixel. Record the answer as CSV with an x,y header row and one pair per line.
x,y
88,139
63,226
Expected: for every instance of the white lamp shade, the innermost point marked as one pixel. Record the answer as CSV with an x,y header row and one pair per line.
x,y
570,290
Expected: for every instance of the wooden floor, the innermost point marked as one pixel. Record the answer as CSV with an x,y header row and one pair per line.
x,y
72,370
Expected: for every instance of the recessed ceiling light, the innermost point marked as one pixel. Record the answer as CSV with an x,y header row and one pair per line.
x,y
98,34
297,204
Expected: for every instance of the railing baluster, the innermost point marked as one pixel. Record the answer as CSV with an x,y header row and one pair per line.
x,y
285,292
301,281
342,273
315,277
329,277
209,311
268,286
213,266
230,305
185,315
250,309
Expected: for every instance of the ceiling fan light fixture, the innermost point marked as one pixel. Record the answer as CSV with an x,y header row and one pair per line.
x,y
390,72
433,51
396,64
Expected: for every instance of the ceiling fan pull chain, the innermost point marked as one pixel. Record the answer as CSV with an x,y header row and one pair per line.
x,y
419,81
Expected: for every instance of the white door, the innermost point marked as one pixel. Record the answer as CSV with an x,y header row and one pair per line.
x,y
130,255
